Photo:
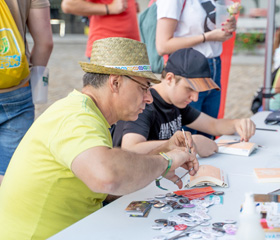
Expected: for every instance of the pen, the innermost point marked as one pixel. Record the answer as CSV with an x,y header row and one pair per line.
x,y
186,141
267,129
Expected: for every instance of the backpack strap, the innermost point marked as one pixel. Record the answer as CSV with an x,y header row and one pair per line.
x,y
151,2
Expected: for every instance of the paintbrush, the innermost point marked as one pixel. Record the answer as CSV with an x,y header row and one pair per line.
x,y
186,142
189,150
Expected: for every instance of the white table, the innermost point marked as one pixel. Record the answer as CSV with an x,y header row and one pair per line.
x,y
112,222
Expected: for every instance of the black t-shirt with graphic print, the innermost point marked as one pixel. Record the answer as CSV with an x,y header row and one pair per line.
x,y
159,121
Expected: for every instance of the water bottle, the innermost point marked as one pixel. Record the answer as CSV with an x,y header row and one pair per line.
x,y
249,221
39,84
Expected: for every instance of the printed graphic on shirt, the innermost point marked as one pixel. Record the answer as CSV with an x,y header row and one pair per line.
x,y
9,50
210,20
167,130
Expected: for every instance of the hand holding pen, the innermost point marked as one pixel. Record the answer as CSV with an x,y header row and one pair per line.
x,y
186,142
191,151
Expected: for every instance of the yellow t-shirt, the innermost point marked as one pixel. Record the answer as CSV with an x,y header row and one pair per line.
x,y
40,195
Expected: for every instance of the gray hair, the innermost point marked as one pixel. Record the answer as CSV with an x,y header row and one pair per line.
x,y
95,79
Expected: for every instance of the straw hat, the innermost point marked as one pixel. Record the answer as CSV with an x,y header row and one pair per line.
x,y
120,56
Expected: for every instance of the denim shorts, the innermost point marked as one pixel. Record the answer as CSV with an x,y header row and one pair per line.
x,y
16,116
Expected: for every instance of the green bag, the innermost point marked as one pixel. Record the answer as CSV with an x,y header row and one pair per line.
x,y
147,26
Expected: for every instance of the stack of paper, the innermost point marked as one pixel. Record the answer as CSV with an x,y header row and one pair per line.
x,y
208,175
267,174
239,148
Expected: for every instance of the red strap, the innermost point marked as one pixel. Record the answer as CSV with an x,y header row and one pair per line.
x,y
151,2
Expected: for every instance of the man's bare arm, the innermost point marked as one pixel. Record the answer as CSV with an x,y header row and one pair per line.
x,y
115,171
39,26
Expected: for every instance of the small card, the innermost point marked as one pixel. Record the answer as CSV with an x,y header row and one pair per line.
x,y
145,215
138,208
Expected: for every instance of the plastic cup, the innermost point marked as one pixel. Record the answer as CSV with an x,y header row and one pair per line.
x,y
39,84
221,11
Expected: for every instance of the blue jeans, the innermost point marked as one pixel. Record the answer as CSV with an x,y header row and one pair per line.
x,y
209,101
16,116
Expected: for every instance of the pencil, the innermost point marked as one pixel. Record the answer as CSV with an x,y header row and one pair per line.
x,y
267,129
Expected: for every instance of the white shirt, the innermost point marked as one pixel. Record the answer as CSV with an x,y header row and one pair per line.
x,y
190,22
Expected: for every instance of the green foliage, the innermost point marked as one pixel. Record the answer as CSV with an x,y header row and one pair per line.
x,y
248,41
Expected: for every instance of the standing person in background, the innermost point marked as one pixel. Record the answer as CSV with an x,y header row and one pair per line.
x,y
16,106
107,18
276,49
274,101
191,23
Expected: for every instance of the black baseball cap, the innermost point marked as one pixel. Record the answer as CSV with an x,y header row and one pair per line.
x,y
193,66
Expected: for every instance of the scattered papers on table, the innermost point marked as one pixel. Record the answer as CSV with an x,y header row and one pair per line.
x,y
196,192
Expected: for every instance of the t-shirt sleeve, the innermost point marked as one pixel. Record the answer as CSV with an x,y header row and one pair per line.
x,y
76,136
142,125
189,115
117,133
40,3
169,9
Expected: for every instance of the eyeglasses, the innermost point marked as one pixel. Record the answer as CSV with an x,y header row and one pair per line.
x,y
145,87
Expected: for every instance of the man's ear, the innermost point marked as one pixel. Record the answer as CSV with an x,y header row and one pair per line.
x,y
114,83
170,78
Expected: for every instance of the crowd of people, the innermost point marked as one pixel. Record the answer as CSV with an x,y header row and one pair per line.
x,y
123,130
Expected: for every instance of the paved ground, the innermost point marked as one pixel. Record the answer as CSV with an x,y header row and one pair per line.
x,y
246,75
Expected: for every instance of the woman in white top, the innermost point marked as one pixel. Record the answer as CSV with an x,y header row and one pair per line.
x,y
274,102
191,23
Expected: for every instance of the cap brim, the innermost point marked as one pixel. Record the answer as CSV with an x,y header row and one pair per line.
x,y
202,84
93,68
